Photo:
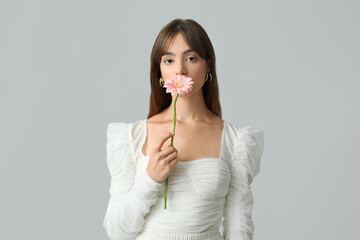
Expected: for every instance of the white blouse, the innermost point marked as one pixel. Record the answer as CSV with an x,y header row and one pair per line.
x,y
200,192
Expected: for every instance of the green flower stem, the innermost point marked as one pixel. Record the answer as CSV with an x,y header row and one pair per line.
x,y
171,144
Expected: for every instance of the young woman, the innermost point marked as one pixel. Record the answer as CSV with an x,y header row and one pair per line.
x,y
209,167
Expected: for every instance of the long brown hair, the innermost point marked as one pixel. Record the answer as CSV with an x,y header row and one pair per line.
x,y
197,38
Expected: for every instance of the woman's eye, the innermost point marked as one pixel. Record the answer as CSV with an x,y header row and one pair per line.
x,y
166,61
192,59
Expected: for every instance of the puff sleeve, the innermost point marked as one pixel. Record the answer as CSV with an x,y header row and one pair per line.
x,y
131,194
245,165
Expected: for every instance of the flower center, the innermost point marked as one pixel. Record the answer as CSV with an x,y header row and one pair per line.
x,y
179,84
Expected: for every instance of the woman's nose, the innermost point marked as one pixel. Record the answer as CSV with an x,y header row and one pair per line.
x,y
181,69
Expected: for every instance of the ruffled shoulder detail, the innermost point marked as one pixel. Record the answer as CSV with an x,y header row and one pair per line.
x,y
248,150
137,135
119,150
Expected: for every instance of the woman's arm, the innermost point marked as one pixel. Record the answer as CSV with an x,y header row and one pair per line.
x,y
238,224
130,197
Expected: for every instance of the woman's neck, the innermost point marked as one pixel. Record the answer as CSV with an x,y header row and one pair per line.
x,y
189,108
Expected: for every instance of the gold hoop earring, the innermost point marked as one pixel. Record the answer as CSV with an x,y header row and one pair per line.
x,y
161,82
207,77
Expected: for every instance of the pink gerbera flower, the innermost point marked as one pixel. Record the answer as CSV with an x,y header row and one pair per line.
x,y
176,86
180,84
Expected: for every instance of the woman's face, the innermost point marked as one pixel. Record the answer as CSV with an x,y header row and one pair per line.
x,y
180,59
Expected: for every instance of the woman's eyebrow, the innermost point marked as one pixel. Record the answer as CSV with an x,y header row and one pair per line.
x,y
186,51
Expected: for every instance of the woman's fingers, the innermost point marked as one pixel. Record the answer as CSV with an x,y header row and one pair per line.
x,y
173,162
162,162
170,153
163,140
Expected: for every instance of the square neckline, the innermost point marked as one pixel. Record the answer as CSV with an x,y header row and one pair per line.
x,y
199,159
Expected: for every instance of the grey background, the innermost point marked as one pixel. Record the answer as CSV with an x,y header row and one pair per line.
x,y
68,68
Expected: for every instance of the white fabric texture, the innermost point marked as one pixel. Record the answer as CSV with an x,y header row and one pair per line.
x,y
200,192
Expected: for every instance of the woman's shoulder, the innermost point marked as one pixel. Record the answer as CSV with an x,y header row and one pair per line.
x,y
246,136
114,127
131,133
236,131
246,145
